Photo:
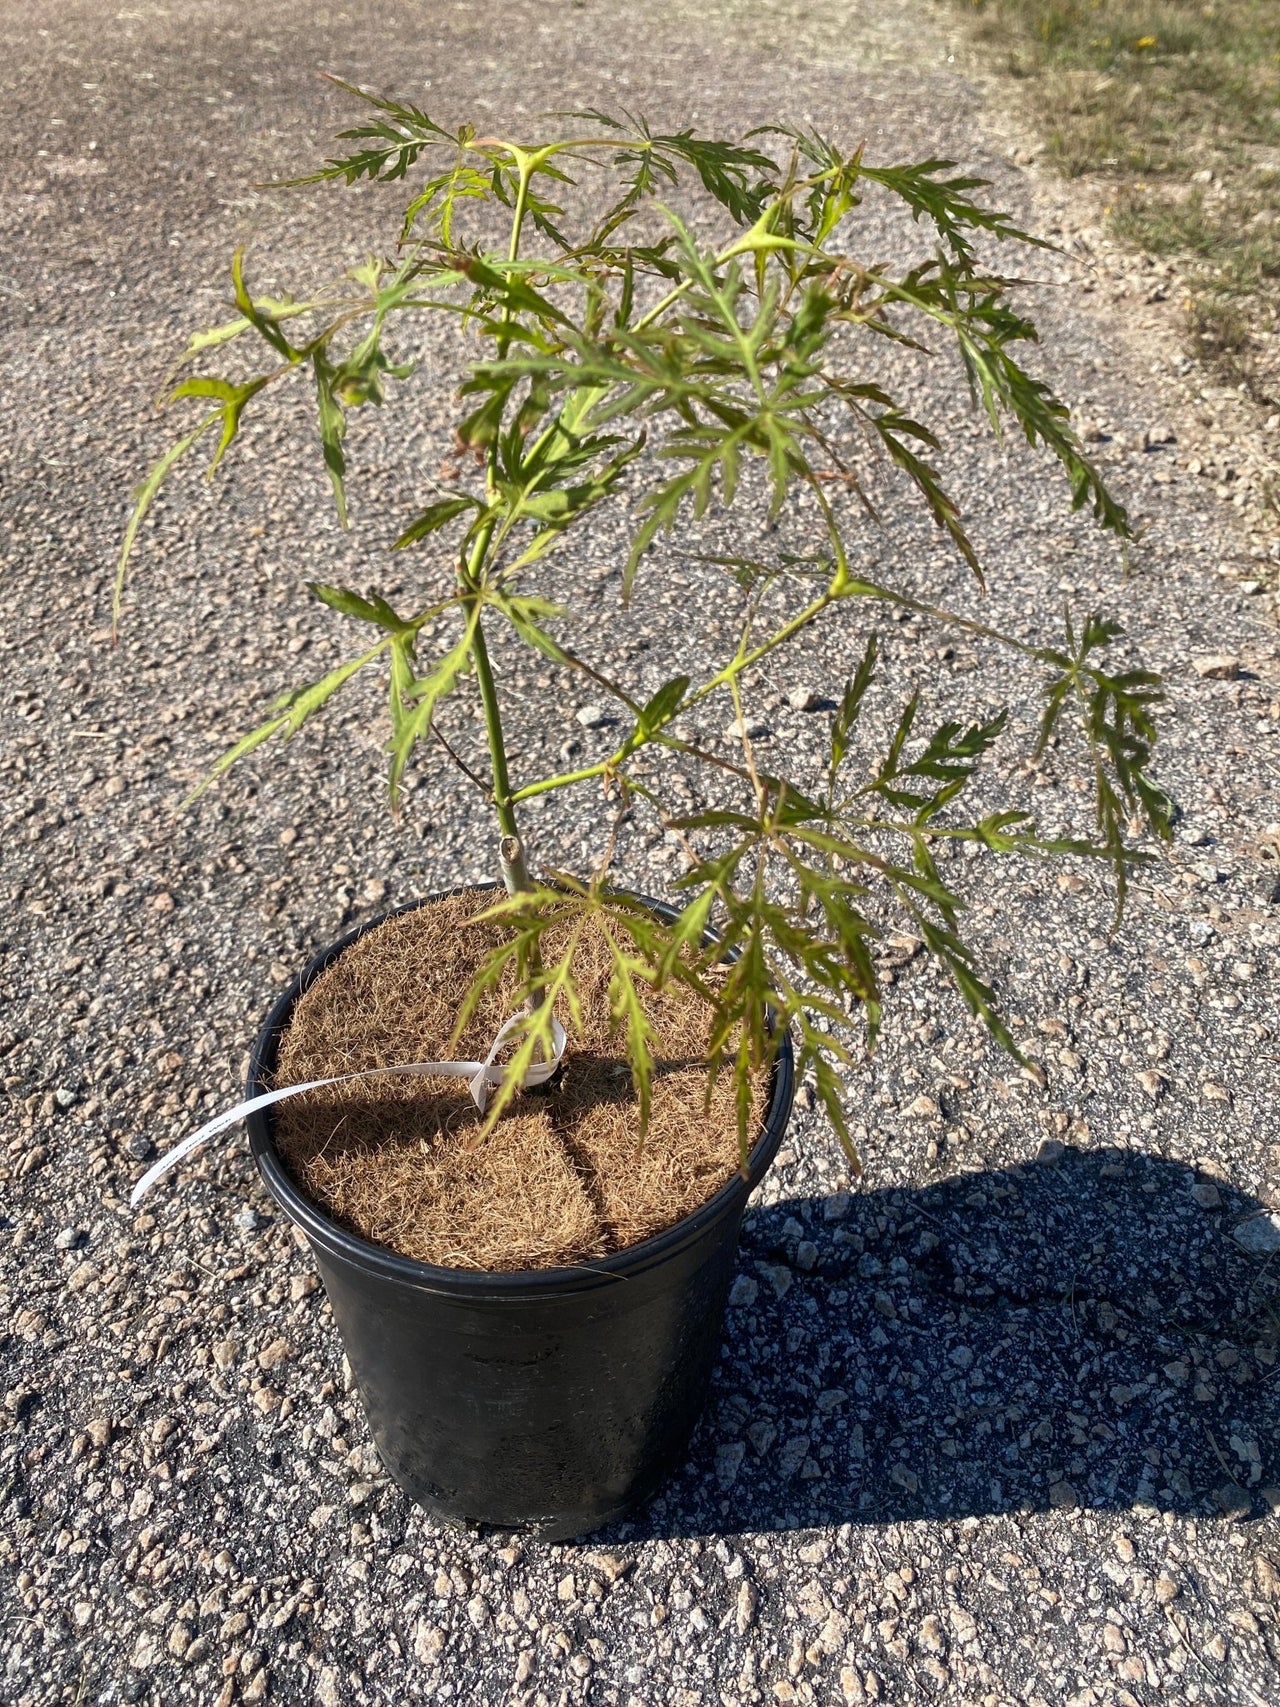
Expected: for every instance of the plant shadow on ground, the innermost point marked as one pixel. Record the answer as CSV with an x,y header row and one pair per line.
x,y
1008,1341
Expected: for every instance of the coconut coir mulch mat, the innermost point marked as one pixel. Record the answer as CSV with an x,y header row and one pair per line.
x,y
560,1179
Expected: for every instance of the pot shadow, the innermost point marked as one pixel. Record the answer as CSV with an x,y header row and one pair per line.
x,y
1086,1333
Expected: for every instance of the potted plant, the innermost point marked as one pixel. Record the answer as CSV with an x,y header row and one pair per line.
x,y
726,350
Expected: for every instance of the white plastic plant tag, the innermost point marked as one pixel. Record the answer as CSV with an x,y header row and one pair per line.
x,y
481,1075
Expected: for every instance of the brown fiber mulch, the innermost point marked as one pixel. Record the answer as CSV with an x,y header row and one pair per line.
x,y
561,1178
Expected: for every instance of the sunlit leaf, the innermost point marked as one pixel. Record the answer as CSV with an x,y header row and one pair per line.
x,y
290,712
145,496
435,517
333,427
418,698
373,609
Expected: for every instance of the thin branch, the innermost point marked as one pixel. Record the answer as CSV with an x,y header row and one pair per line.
x,y
486,788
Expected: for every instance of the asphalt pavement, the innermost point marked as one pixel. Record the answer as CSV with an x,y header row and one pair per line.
x,y
995,1424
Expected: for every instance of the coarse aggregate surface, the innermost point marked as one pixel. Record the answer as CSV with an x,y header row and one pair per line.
x,y
997,1423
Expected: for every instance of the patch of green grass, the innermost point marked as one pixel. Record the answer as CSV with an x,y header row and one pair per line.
x,y
1178,102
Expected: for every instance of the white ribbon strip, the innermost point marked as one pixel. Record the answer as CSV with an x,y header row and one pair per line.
x,y
482,1074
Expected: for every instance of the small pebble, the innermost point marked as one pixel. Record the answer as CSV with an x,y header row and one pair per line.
x,y
1217,667
794,1452
931,1637
762,1435
274,1354
745,1610
1260,1235
729,1461
1232,1500
593,716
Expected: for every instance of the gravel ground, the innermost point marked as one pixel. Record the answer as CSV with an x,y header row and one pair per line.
x,y
998,1423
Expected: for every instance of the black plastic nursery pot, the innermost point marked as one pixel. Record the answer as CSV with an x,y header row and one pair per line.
x,y
550,1401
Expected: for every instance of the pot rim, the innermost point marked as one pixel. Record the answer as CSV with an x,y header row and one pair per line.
x,y
362,1253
